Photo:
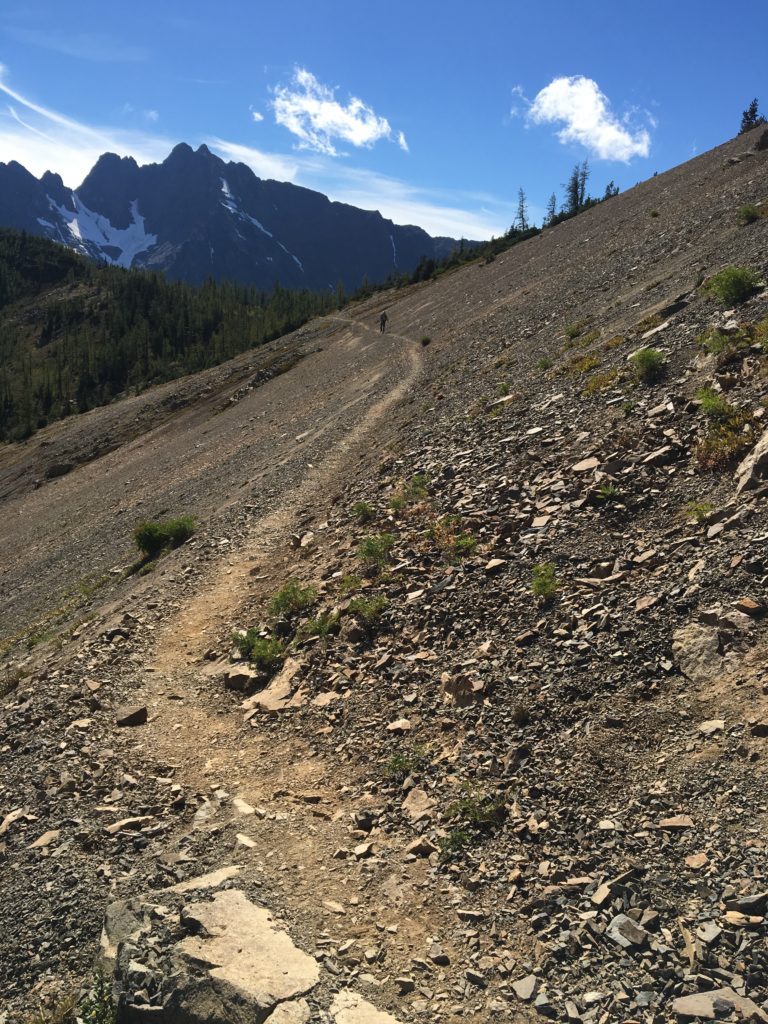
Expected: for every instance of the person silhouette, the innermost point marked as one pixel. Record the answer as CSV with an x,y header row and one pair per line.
x,y
383,322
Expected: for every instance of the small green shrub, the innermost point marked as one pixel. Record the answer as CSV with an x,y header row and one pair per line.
x,y
648,365
152,538
266,653
426,340
732,285
374,551
545,363
648,323
97,1007
699,510
714,341
608,493
292,598
349,582
475,816
654,213
323,626
544,580
714,406
363,512
720,448
405,763
747,214
368,610
574,329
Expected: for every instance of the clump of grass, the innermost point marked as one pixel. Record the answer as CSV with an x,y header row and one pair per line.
x,y
368,610
614,342
747,214
608,494
426,340
292,598
409,491
363,512
699,510
405,763
573,330
583,365
152,538
721,447
589,339
648,365
452,538
349,582
654,213
731,286
544,580
266,653
714,406
374,551
600,382
323,626
475,815
545,363
9,680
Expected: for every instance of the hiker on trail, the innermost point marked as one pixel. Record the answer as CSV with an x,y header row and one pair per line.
x,y
383,322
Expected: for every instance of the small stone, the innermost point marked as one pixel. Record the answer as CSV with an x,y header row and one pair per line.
x,y
399,726
421,847
712,726
495,565
697,861
45,840
586,464
526,988
131,715
717,1003
679,821
626,932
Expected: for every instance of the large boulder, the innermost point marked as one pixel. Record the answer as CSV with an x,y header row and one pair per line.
x,y
753,470
208,958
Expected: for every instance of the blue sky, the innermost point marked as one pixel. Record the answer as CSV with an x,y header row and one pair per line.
x,y
435,113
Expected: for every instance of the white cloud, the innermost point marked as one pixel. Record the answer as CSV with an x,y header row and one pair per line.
x,y
43,139
257,116
152,115
311,112
585,111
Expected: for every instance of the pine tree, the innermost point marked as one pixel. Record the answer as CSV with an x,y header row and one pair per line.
x,y
610,190
751,118
521,221
583,176
551,209
572,192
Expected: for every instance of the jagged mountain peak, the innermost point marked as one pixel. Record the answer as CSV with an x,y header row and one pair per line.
x,y
195,216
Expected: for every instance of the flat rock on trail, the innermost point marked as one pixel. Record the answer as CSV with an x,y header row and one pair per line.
x,y
471,800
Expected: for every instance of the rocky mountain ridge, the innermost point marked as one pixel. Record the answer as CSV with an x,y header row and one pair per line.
x,y
195,216
512,762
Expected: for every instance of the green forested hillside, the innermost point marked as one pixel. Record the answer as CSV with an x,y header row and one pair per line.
x,y
74,335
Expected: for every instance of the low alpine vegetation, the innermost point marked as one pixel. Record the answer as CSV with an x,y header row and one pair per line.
x,y
152,538
731,286
292,598
368,610
363,512
544,580
325,625
648,365
266,653
374,551
454,540
747,214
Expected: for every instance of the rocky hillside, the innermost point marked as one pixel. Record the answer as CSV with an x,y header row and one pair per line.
x,y
195,217
498,749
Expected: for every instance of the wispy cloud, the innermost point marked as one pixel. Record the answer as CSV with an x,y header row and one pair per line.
x,y
92,46
257,116
266,165
311,112
42,139
585,113
152,115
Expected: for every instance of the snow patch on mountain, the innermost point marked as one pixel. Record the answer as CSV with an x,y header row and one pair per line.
x,y
394,250
229,203
87,230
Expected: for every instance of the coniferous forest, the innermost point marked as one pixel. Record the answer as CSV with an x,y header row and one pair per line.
x,y
75,335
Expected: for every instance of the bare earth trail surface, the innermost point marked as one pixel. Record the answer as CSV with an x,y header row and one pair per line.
x,y
486,804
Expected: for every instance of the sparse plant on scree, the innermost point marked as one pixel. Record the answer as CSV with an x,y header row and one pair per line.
x,y
152,538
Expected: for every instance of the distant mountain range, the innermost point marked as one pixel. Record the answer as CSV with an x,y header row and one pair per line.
x,y
194,216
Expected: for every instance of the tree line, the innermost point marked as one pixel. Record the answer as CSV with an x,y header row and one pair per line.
x,y
75,335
